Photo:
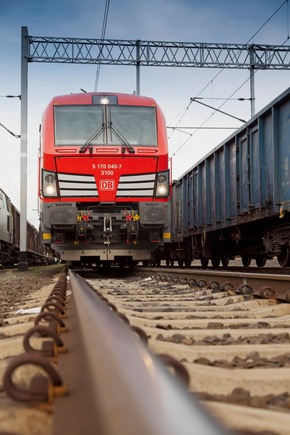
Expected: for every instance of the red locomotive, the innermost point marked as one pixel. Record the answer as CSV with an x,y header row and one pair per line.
x,y
104,179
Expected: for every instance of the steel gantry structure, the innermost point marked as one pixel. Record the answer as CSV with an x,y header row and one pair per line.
x,y
136,53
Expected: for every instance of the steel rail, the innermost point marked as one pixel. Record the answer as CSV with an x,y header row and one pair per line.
x,y
259,284
130,391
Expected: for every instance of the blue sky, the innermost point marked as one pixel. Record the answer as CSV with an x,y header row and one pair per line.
x,y
220,21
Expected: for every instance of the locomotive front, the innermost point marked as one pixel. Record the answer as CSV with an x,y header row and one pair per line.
x,y
104,181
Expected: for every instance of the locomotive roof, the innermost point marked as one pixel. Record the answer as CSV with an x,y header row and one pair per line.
x,y
86,98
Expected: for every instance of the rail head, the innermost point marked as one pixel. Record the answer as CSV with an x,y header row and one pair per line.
x,y
131,389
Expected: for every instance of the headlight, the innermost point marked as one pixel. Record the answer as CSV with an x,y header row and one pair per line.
x,y
49,187
162,185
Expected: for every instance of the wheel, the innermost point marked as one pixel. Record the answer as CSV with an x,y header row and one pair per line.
x,y
121,264
187,263
225,261
180,263
284,257
106,264
261,261
246,260
204,262
132,264
215,261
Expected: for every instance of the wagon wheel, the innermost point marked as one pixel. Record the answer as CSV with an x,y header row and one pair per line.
x,y
261,261
180,263
284,257
131,263
246,260
187,263
169,262
225,261
204,262
215,261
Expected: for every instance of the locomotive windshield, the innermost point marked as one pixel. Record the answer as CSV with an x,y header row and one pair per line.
x,y
78,125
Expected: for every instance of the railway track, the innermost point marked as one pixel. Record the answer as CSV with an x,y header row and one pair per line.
x,y
235,346
229,333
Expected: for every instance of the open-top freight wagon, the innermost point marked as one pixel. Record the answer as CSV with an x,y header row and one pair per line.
x,y
236,200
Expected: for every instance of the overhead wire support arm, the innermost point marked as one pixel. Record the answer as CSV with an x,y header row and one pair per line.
x,y
181,128
11,132
11,96
193,99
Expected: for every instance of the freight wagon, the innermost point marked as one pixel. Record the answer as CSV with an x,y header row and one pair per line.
x,y
10,235
236,200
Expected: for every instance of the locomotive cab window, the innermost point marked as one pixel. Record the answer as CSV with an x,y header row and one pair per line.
x,y
105,125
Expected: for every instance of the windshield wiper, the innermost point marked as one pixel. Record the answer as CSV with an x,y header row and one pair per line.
x,y
114,130
94,136
121,138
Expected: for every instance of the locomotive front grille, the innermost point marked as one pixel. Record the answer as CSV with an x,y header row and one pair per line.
x,y
71,185
136,185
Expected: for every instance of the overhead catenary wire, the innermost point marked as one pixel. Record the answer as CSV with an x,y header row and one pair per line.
x,y
12,191
183,129
8,188
207,119
219,72
288,19
14,196
105,19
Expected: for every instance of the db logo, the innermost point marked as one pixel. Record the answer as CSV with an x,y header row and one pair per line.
x,y
107,184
